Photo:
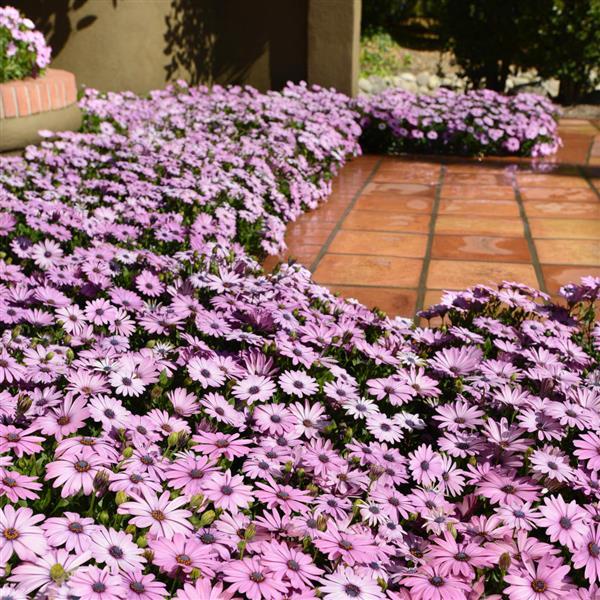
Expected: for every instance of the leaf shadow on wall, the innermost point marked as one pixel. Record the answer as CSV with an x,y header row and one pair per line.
x,y
262,42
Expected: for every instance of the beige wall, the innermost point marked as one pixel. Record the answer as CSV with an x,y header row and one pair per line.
x,y
334,43
142,44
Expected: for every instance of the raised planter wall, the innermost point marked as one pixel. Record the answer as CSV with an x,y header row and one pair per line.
x,y
26,106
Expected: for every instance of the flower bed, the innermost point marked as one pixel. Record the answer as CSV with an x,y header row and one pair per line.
x,y
176,423
479,122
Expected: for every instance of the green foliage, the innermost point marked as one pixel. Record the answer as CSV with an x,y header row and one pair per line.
x,y
380,55
488,36
560,38
384,15
568,46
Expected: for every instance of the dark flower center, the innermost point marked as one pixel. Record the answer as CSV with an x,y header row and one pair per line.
x,y
226,490
64,420
293,565
257,577
159,515
116,552
196,473
75,527
436,581
254,389
137,587
352,590
539,586
345,545
461,556
594,549
82,466
9,481
98,587
147,460
208,538
553,466
183,559
565,523
13,437
10,533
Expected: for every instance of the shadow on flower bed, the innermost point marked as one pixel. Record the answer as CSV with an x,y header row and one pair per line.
x,y
176,423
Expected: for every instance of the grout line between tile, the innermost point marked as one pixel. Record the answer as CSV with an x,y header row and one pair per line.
x,y
535,261
337,226
422,285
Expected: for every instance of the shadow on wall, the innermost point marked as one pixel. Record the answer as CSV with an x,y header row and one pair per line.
x,y
261,42
53,20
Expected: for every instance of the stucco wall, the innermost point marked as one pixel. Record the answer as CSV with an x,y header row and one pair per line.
x,y
142,44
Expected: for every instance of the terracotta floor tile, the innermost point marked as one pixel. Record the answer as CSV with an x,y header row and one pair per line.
x,y
551,180
569,252
432,297
379,243
372,220
476,225
400,189
386,271
385,202
485,192
392,170
476,247
478,178
568,229
558,194
498,208
393,301
448,274
557,276
569,210
306,233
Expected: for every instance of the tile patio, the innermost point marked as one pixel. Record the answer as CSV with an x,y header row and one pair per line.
x,y
396,231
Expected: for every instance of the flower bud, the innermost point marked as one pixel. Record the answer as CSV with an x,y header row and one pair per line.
x,y
127,452
130,529
207,518
504,561
121,497
148,555
322,523
250,532
104,518
142,541
196,501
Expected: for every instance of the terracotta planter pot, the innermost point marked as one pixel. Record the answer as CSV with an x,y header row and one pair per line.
x,y
26,106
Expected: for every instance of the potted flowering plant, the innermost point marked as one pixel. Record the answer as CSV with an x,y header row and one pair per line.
x,y
32,97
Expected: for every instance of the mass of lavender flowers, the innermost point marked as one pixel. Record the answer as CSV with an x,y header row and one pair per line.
x,y
23,50
177,424
479,122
